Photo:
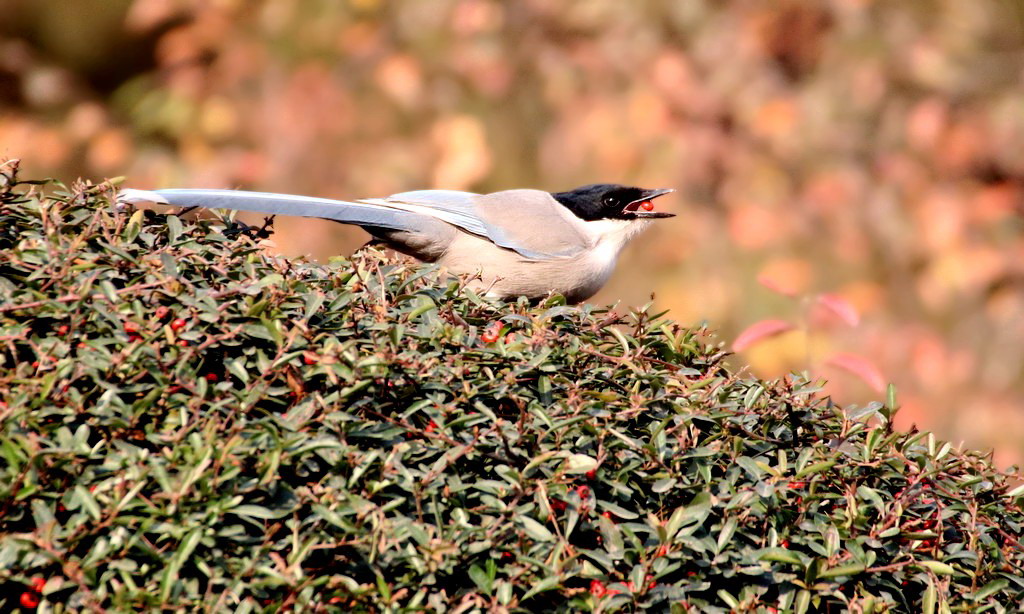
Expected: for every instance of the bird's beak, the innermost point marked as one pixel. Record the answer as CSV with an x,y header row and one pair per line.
x,y
639,207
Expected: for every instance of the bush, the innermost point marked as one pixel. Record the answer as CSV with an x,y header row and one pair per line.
x,y
188,423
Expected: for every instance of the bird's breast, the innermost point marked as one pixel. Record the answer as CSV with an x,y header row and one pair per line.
x,y
507,274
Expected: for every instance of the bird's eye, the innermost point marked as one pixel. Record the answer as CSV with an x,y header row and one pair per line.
x,y
609,201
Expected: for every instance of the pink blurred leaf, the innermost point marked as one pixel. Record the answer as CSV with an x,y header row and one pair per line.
x,y
841,307
758,331
772,284
861,367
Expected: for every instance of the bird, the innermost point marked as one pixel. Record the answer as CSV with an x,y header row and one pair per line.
x,y
518,242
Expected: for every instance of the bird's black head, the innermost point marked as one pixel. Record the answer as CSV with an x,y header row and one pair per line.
x,y
607,201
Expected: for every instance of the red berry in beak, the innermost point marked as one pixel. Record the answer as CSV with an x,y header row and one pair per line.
x,y
647,205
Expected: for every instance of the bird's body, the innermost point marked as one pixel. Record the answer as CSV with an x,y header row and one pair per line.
x,y
522,276
519,242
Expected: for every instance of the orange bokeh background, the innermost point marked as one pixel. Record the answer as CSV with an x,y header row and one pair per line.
x,y
868,149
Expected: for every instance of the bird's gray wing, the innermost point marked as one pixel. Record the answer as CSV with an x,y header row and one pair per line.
x,y
529,222
456,208
532,221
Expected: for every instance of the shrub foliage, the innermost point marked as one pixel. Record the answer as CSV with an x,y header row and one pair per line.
x,y
189,423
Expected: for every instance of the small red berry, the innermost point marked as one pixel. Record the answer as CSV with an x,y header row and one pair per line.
x,y
662,550
597,589
492,333
35,364
38,583
29,599
583,491
133,338
161,312
183,343
784,543
63,329
591,474
211,377
335,600
647,205
131,327
607,515
178,324
81,345
430,427
309,359
558,505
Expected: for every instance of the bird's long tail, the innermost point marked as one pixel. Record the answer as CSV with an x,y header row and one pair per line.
x,y
348,212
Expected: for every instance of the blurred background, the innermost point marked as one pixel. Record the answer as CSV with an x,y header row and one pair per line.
x,y
867,150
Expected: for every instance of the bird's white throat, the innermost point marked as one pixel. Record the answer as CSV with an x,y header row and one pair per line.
x,y
613,234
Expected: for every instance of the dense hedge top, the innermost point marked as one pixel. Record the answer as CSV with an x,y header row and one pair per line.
x,y
187,422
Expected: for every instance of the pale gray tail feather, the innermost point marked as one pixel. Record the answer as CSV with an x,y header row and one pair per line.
x,y
361,214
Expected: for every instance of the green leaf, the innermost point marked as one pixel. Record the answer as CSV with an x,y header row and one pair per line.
x,y
694,513
480,578
928,599
237,368
88,502
612,538
170,265
850,569
425,305
578,463
134,225
258,511
937,567
803,602
725,535
990,589
729,600
815,468
184,551
780,555
546,584
536,530
174,228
